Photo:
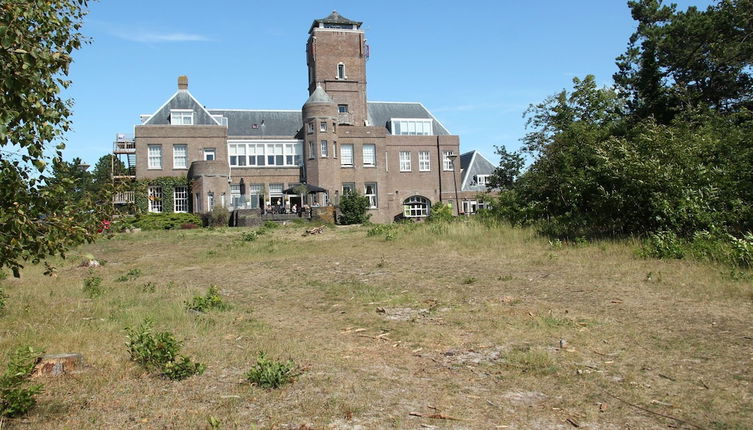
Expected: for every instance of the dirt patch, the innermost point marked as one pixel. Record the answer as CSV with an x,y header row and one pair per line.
x,y
403,314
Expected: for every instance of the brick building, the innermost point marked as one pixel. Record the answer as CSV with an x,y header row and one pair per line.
x,y
396,153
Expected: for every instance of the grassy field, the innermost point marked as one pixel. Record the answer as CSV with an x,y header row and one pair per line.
x,y
429,326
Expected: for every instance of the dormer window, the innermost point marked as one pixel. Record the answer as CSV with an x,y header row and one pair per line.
x,y
181,117
341,71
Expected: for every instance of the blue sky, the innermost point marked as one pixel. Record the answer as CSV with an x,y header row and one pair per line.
x,y
476,65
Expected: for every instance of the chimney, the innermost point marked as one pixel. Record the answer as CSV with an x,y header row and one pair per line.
x,y
183,82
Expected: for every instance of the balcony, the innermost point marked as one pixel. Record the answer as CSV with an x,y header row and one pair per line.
x,y
123,198
344,118
124,145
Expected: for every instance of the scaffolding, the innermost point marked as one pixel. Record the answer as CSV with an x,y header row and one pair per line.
x,y
123,168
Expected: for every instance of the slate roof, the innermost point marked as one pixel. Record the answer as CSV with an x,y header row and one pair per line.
x,y
335,18
275,122
473,163
380,113
181,100
319,96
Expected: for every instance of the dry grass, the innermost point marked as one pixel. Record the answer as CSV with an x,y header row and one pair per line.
x,y
458,321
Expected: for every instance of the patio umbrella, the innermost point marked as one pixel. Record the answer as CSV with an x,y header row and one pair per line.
x,y
310,189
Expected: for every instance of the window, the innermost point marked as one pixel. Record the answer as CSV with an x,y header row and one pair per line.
x,y
416,207
342,108
470,206
405,161
180,156
324,148
197,202
255,191
311,127
482,180
346,155
181,117
155,199
447,164
312,151
370,191
180,199
348,187
221,119
265,154
155,156
209,154
334,149
369,155
424,163
341,71
238,155
412,127
210,200
323,126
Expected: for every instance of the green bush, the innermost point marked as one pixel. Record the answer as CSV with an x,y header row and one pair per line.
x,y
161,221
212,300
217,217
16,394
160,352
440,212
270,225
93,286
271,373
353,209
3,298
249,236
663,244
129,276
742,250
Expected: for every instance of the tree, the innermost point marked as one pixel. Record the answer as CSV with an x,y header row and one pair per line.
x,y
510,166
103,170
353,208
36,42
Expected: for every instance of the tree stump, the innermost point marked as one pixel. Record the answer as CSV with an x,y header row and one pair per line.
x,y
58,364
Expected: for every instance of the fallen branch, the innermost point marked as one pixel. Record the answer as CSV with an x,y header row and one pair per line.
x,y
436,416
678,420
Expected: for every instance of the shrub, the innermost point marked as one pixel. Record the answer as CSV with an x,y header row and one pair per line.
x,y
271,373
249,236
217,217
93,286
211,300
160,352
663,244
16,394
129,276
353,209
742,250
270,225
161,221
3,298
149,287
440,212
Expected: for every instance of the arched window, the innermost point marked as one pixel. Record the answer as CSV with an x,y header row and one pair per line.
x,y
416,207
341,71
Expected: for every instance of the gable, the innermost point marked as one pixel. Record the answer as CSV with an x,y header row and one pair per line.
x,y
181,100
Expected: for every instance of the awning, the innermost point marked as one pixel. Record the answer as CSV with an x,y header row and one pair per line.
x,y
310,189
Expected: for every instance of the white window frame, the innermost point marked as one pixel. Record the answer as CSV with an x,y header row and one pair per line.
x,y
342,108
373,197
266,153
154,155
447,164
346,154
210,152
405,164
424,161
181,116
310,128
341,71
482,180
369,157
180,199
323,148
412,126
323,126
210,200
180,161
154,194
348,187
416,207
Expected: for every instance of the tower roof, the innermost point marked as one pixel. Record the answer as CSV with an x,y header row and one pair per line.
x,y
335,20
319,96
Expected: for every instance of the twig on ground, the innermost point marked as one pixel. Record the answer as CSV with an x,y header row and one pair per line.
x,y
649,411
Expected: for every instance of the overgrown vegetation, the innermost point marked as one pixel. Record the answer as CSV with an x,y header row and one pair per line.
x,y
268,373
210,301
159,221
160,352
218,216
440,212
17,394
93,286
354,208
665,154
129,276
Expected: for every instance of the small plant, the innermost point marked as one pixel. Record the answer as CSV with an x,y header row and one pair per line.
x,y
381,263
212,300
3,298
270,225
504,278
469,280
160,352
16,394
149,287
129,276
213,422
271,373
93,286
535,361
249,236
